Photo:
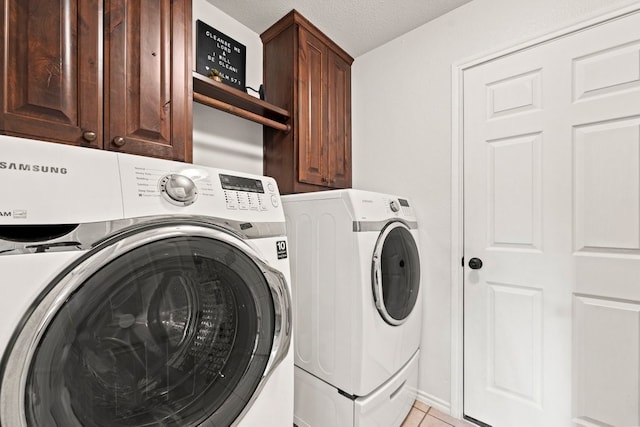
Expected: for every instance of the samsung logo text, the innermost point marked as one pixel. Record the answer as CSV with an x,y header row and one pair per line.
x,y
25,167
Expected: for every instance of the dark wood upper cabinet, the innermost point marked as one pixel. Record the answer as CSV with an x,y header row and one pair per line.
x,y
51,64
309,75
111,74
148,83
339,123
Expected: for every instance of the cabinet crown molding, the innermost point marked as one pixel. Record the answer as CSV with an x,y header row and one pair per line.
x,y
295,18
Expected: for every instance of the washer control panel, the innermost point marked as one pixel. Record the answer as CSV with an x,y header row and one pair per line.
x,y
241,193
151,186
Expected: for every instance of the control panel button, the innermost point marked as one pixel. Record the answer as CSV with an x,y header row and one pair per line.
x,y
271,187
243,201
231,199
274,201
261,203
395,207
178,189
254,202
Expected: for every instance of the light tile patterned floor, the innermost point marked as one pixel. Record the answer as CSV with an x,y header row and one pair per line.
x,y
422,415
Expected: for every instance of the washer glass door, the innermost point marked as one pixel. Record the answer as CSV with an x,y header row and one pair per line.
x,y
396,273
175,328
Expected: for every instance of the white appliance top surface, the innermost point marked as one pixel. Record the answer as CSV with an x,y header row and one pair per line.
x,y
49,183
363,205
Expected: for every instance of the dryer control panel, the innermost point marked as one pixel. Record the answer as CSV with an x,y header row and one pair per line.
x,y
397,206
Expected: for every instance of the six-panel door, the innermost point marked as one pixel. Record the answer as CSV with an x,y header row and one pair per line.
x,y
552,208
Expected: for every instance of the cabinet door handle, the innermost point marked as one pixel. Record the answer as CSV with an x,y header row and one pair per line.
x,y
89,136
119,141
323,179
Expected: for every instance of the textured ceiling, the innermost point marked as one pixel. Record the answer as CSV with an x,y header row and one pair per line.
x,y
356,25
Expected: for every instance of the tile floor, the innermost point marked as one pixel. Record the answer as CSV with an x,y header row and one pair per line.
x,y
422,415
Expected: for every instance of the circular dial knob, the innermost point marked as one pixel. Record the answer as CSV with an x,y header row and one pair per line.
x,y
178,189
395,207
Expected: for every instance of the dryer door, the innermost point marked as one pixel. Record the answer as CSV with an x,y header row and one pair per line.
x,y
171,324
395,273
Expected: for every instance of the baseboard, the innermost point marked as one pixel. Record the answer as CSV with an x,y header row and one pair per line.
x,y
434,402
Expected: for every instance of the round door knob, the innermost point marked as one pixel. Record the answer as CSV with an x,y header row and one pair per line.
x,y
119,141
475,263
89,136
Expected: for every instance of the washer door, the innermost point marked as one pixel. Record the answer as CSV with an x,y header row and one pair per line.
x,y
164,325
395,273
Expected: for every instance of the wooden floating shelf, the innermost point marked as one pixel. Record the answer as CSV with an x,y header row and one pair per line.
x,y
225,98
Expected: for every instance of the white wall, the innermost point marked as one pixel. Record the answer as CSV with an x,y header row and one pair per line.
x,y
401,130
402,99
221,139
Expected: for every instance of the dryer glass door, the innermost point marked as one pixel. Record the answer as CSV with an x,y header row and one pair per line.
x,y
170,326
396,273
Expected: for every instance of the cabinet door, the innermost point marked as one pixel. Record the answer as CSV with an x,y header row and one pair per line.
x,y
51,64
148,71
339,121
311,120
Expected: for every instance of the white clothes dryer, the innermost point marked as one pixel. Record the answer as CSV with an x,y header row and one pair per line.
x,y
139,291
355,269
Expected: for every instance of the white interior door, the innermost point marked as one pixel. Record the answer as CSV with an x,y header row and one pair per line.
x,y
552,209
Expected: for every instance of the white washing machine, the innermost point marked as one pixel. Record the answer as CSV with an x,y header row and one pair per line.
x,y
357,304
139,291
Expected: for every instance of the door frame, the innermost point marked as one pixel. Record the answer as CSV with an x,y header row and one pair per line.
x,y
458,69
